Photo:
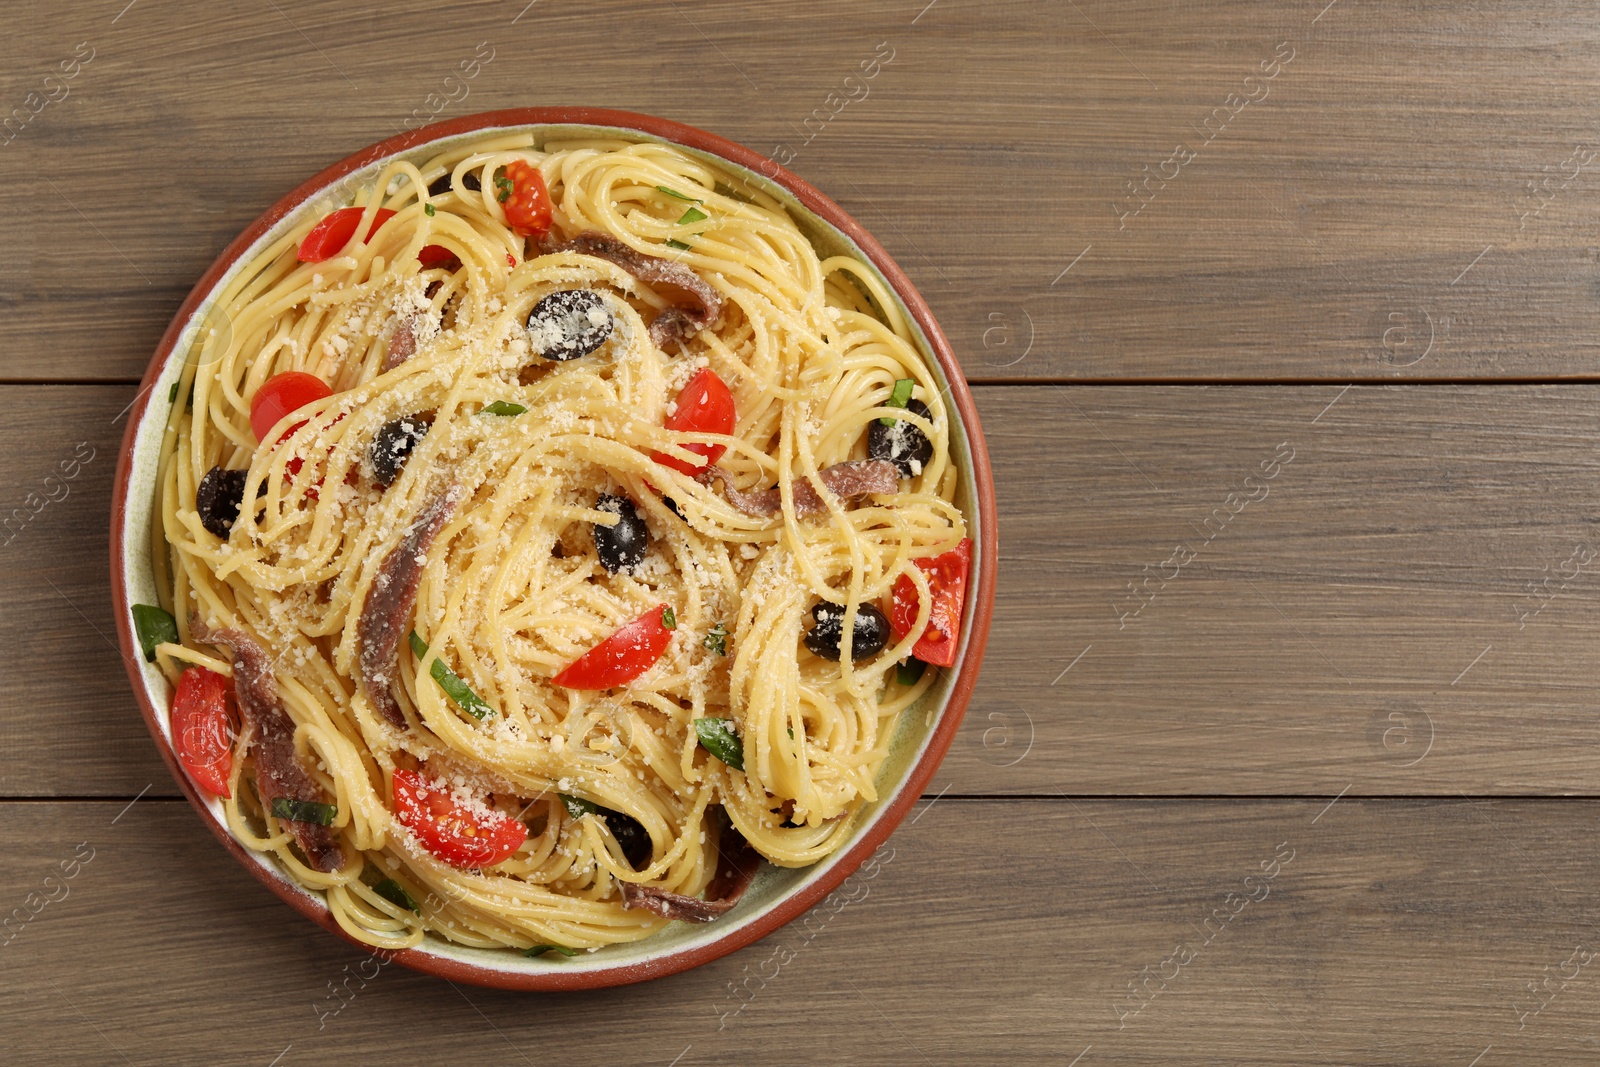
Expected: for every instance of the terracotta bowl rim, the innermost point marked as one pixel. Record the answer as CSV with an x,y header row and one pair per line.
x,y
981,594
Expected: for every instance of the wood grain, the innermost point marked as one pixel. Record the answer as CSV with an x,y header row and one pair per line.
x,y
1366,622
1326,230
1388,933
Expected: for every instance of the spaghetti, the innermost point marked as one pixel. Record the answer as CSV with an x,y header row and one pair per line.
x,y
474,515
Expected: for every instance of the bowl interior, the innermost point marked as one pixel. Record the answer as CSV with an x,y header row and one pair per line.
x,y
773,885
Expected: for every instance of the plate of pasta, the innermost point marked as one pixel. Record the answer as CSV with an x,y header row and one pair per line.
x,y
553,548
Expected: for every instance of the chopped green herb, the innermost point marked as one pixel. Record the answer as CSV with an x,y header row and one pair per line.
x,y
396,894
540,950
172,394
899,398
717,639
427,209
668,619
155,626
910,672
502,407
680,196
304,811
506,187
451,682
694,214
577,807
791,732
679,245
717,737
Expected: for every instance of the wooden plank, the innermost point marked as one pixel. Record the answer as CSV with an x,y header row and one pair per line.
x,y
1118,932
1365,623
1407,195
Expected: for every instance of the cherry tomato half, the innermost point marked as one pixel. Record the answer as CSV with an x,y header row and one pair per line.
x,y
328,237
281,394
528,208
202,728
459,836
947,582
704,406
623,656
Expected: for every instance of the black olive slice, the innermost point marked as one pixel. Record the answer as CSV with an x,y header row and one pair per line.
x,y
869,636
393,445
902,444
218,498
569,324
621,547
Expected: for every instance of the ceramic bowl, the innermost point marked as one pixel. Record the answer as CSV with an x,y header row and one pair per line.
x,y
925,731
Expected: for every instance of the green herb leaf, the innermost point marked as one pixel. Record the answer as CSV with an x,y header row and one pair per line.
x,y
396,894
717,737
427,209
694,214
680,196
502,407
668,619
304,811
679,245
540,950
172,394
155,626
506,187
791,732
577,807
451,682
717,639
910,672
899,398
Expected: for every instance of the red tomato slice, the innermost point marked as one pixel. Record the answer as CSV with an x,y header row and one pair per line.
x,y
281,394
947,582
437,256
202,728
328,237
459,836
704,406
623,656
528,208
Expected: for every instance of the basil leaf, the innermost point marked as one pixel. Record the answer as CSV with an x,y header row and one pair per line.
x,y
451,682
396,894
910,672
694,214
427,209
304,810
577,807
680,196
899,398
717,737
668,619
679,245
717,639
540,950
172,394
502,407
155,626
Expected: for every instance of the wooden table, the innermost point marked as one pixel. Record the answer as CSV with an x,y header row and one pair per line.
x,y
1295,767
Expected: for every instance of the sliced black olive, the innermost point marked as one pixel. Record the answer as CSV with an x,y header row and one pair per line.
x,y
569,324
218,498
441,184
672,506
393,445
870,635
902,444
631,836
621,547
